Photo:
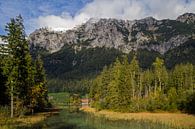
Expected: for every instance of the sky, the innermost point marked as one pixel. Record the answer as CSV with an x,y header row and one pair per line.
x,y
66,14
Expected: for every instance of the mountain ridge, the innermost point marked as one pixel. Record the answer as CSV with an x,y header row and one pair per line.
x,y
81,53
124,35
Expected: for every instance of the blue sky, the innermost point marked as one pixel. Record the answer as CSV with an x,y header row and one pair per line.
x,y
32,9
66,14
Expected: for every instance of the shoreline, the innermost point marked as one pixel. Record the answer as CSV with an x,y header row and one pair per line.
x,y
180,120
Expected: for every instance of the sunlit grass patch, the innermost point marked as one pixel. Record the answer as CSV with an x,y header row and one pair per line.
x,y
177,120
26,122
60,99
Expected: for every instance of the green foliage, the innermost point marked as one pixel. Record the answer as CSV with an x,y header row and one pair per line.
x,y
18,64
125,87
183,54
39,97
4,98
74,103
68,69
190,104
73,72
23,82
170,28
4,111
60,99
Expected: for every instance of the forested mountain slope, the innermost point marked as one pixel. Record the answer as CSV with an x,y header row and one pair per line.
x,y
83,51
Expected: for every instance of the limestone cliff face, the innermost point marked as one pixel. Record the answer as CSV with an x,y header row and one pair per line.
x,y
125,35
47,39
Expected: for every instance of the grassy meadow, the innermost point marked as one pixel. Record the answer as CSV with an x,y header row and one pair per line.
x,y
59,100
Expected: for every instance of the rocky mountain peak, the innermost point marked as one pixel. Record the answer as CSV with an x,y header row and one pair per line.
x,y
187,18
124,35
92,20
47,39
148,20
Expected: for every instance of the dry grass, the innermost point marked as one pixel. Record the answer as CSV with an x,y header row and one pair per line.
x,y
25,121
173,119
7,123
33,119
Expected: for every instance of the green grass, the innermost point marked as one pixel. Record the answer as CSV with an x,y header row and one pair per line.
x,y
59,99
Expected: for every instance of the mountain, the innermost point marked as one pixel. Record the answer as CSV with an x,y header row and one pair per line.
x,y
124,35
188,18
83,51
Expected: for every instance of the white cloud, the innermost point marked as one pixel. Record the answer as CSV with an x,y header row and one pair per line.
x,y
121,9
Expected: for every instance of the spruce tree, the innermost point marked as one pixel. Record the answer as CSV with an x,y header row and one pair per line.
x,y
40,76
39,98
113,98
101,86
125,88
161,75
147,82
135,73
18,65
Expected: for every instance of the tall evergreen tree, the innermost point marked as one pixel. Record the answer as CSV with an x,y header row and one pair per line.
x,y
40,76
39,98
125,86
147,82
18,66
113,98
161,75
130,89
135,74
102,87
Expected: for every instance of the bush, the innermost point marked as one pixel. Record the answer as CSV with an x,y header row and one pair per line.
x,y
4,111
190,104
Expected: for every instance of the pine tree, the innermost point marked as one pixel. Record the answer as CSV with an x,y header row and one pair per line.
x,y
147,82
39,98
18,65
40,76
102,89
113,98
135,74
188,84
125,87
161,75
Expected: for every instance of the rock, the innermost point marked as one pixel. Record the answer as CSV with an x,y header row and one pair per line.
x,y
187,18
125,35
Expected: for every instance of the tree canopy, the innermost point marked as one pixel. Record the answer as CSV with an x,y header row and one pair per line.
x,y
22,78
125,87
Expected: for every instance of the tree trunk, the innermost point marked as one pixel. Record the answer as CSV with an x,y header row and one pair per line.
x,y
32,111
155,86
12,102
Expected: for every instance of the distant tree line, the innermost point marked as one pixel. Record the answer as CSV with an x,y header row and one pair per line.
x,y
22,79
125,87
